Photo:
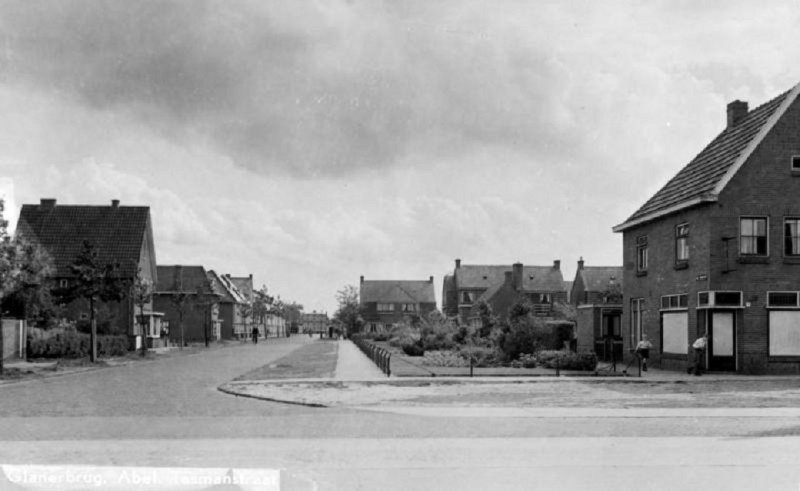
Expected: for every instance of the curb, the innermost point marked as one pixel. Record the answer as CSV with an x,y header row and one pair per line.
x,y
225,390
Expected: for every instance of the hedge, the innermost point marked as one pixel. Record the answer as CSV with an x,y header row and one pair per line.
x,y
567,360
68,343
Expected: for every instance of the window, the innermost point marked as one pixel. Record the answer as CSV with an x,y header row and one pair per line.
x,y
782,299
791,237
545,298
641,254
466,297
409,307
674,332
63,283
679,301
784,333
682,243
637,308
753,237
796,163
385,307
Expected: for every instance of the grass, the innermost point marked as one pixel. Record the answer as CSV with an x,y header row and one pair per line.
x,y
315,360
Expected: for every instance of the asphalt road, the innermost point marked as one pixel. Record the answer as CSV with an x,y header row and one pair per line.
x,y
169,413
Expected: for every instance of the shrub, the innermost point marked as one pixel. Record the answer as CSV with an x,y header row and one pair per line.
x,y
525,361
567,360
413,348
444,359
482,356
69,343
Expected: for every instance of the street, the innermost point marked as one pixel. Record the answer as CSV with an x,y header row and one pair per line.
x,y
169,413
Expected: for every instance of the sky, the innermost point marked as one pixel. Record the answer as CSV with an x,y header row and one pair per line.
x,y
309,143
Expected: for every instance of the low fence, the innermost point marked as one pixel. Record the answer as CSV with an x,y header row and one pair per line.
x,y
380,356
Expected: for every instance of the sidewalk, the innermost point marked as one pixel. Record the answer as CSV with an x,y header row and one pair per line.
x,y
352,364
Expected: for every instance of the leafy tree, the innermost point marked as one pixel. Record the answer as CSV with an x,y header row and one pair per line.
x,y
487,318
23,265
245,312
263,305
349,311
93,281
142,292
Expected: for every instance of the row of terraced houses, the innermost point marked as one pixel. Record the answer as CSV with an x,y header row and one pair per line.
x,y
716,252
207,304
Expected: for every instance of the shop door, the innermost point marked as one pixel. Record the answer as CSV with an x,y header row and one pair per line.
x,y
722,341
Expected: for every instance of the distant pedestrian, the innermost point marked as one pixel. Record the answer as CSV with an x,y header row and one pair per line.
x,y
643,350
699,347
255,334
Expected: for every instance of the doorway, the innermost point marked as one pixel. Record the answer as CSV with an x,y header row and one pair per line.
x,y
722,340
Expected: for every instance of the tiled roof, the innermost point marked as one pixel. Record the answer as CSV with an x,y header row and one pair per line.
x,y
245,285
534,278
117,233
596,278
173,279
703,177
397,291
222,285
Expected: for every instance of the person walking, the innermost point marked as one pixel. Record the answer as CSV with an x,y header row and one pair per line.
x,y
255,334
699,347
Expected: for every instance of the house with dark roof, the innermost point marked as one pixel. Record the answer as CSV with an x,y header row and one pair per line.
x,y
386,303
121,235
597,295
716,250
230,301
185,296
315,323
501,287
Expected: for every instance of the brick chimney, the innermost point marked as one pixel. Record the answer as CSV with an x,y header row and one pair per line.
x,y
362,278
516,271
430,279
580,263
47,203
737,110
458,263
114,203
557,264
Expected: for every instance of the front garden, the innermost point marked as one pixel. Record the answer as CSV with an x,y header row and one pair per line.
x,y
515,346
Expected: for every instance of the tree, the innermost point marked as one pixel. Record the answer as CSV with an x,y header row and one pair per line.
x,y
22,264
245,312
487,318
180,300
349,311
94,281
142,292
262,306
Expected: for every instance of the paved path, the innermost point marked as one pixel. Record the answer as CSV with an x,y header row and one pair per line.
x,y
352,364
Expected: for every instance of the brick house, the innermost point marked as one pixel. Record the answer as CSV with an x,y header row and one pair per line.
x,y
501,286
230,299
314,322
717,249
201,310
597,294
121,235
386,303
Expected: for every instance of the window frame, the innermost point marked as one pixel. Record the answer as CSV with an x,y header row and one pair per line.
x,y
384,308
682,243
784,236
642,254
766,236
637,314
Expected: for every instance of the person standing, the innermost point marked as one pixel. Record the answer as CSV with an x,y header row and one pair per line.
x,y
699,347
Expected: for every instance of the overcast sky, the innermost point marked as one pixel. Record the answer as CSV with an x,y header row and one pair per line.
x,y
309,143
